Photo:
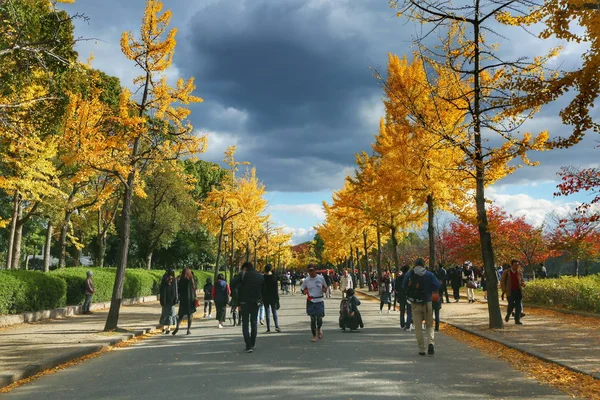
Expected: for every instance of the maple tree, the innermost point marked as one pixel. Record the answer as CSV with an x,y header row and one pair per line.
x,y
577,237
576,180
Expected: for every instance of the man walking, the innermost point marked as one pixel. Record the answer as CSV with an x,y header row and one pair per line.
x,y
313,287
250,297
442,275
511,283
89,291
419,285
346,283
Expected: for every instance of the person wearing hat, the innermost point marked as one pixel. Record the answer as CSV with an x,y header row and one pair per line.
x,y
420,284
313,287
89,290
468,277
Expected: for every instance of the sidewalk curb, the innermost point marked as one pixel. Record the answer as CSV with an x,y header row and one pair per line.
x,y
67,311
33,369
521,349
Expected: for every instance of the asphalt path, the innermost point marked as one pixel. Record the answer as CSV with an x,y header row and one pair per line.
x,y
379,362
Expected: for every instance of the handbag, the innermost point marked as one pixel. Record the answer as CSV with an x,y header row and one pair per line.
x,y
472,284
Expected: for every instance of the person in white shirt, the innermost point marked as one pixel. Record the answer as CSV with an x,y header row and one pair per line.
x,y
313,287
346,283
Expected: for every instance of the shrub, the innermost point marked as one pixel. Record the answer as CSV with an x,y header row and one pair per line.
x,y
35,290
12,292
103,278
582,294
139,283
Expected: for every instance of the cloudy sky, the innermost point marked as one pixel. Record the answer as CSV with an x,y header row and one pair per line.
x,y
290,82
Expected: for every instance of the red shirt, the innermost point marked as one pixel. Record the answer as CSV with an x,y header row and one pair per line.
x,y
514,280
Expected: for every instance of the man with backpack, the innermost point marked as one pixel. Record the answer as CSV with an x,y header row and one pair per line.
x,y
419,285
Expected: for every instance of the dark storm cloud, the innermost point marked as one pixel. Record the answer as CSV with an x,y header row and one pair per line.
x,y
289,80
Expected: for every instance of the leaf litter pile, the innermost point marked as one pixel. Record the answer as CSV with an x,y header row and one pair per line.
x,y
574,384
125,343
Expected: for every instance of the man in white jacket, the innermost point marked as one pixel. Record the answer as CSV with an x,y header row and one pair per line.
x,y
346,283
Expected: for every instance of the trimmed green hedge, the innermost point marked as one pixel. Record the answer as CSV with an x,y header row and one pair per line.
x,y
24,291
581,294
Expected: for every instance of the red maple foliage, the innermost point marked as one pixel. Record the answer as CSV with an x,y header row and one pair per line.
x,y
576,180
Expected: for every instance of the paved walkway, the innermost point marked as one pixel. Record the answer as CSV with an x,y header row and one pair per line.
x,y
379,362
568,340
26,349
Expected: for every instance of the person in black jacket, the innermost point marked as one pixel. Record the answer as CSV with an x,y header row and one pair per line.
x,y
168,300
187,298
442,275
271,297
250,296
456,282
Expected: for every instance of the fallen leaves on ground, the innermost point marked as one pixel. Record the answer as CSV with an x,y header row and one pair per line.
x,y
573,383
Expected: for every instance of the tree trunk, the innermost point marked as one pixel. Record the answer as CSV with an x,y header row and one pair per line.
x,y
13,229
360,272
16,253
255,255
77,257
431,231
395,247
369,284
576,268
62,255
487,250
124,235
149,259
232,253
101,249
47,246
219,247
379,254
247,252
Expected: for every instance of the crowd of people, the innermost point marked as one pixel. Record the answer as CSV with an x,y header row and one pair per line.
x,y
253,297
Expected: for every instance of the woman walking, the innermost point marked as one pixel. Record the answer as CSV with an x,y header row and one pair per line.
x,y
187,298
385,293
271,298
168,299
208,300
220,294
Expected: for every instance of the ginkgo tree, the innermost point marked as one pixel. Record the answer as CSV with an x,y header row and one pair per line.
x,y
496,102
151,128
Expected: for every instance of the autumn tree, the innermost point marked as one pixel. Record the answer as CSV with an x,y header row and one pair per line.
x,y
167,208
153,128
576,236
496,99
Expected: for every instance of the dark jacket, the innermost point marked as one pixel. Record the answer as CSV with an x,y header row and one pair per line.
x,y
431,283
456,278
251,287
168,293
400,292
208,291
221,292
235,290
187,296
270,292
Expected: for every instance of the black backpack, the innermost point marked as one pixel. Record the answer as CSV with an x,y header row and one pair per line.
x,y
415,292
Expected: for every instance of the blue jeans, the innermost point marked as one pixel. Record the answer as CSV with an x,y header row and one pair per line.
x,y
87,303
268,308
250,324
261,313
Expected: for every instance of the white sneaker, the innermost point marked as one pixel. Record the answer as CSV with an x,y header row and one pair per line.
x,y
220,326
209,316
380,311
388,311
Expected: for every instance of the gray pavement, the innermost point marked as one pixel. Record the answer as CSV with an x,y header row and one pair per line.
x,y
571,342
377,363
